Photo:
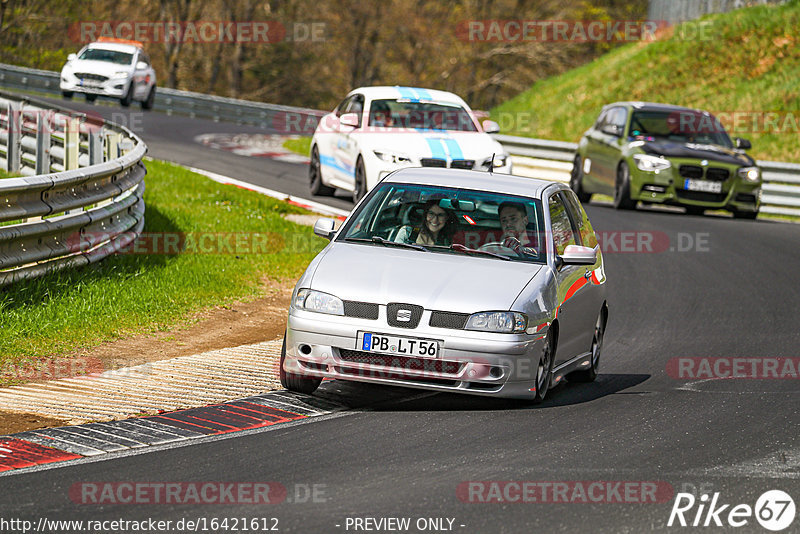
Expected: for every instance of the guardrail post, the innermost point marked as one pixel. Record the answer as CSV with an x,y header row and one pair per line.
x,y
43,128
72,138
14,136
95,147
112,146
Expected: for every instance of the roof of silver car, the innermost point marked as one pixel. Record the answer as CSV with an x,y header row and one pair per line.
x,y
478,180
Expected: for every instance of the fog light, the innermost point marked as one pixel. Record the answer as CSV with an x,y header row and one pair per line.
x,y
305,349
496,372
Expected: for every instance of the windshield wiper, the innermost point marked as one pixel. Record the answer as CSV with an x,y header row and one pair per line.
x,y
385,242
462,248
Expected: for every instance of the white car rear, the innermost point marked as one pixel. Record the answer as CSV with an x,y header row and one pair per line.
x,y
113,68
377,130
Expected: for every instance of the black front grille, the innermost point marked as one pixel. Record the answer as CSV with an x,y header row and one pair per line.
x,y
441,319
718,175
433,162
744,197
401,363
362,310
395,375
691,171
701,196
90,76
412,312
462,164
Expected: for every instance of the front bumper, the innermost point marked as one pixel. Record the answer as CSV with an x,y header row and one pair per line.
x,y
667,187
113,87
501,365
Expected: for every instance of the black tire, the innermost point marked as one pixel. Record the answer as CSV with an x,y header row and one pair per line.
x,y
67,94
695,210
90,97
751,215
590,374
361,181
315,176
151,99
544,371
576,181
622,189
128,98
296,383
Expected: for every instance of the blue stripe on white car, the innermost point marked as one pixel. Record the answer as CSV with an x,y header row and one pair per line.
x,y
453,150
330,161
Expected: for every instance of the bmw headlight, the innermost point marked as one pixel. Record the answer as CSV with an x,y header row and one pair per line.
x,y
503,322
750,174
393,157
649,163
317,301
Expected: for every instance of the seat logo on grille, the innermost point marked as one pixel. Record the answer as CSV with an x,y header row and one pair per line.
x,y
404,316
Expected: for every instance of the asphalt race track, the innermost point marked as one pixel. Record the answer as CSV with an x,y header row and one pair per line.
x,y
712,287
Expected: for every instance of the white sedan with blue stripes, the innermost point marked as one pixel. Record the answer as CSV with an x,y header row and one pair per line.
x,y
377,130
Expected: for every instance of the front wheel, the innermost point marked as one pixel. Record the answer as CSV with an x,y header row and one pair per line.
x,y
360,188
126,100
294,382
544,371
315,176
576,180
622,190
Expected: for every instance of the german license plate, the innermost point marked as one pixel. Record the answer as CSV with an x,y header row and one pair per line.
x,y
398,345
703,185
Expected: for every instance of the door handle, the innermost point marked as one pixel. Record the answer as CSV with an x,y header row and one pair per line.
x,y
588,274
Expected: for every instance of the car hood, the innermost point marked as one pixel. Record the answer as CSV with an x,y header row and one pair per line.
x,y
689,150
104,68
436,281
434,144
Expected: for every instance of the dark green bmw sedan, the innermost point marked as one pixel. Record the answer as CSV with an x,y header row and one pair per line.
x,y
663,154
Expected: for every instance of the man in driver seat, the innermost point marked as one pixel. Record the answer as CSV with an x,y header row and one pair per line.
x,y
514,223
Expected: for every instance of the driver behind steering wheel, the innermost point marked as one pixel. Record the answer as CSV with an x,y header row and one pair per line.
x,y
514,223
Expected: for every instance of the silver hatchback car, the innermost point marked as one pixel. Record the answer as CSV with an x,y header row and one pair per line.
x,y
452,280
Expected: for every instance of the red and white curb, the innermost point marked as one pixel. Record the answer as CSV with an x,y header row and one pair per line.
x,y
253,145
52,445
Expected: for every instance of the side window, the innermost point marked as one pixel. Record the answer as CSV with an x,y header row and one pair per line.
x,y
586,235
143,57
563,232
620,118
601,120
356,106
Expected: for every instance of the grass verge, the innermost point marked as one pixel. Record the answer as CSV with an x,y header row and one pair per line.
x,y
239,237
298,145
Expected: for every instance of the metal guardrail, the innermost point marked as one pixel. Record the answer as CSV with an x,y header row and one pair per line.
x,y
531,157
81,194
542,158
288,119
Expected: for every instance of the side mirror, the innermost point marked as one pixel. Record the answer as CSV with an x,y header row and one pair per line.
x,y
141,65
72,57
349,119
490,127
578,255
612,129
325,228
743,144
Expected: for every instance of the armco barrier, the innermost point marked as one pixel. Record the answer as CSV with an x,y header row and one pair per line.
x,y
81,198
539,158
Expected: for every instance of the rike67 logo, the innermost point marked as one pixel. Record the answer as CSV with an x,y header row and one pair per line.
x,y
774,510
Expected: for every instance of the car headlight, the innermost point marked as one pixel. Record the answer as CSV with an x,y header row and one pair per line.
x,y
646,162
500,160
393,157
750,174
317,301
503,322
121,74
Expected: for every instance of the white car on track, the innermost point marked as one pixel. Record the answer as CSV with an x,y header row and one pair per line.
x,y
377,130
115,68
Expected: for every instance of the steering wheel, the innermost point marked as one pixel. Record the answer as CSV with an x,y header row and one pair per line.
x,y
510,243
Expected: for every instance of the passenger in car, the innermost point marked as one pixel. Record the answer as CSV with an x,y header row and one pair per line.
x,y
437,227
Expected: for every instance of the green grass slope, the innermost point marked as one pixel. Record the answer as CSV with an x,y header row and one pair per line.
x,y
746,61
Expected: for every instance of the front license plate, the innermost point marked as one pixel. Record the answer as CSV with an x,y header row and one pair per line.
x,y
397,345
703,185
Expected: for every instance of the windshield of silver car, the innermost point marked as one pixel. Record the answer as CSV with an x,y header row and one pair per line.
x,y
450,220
